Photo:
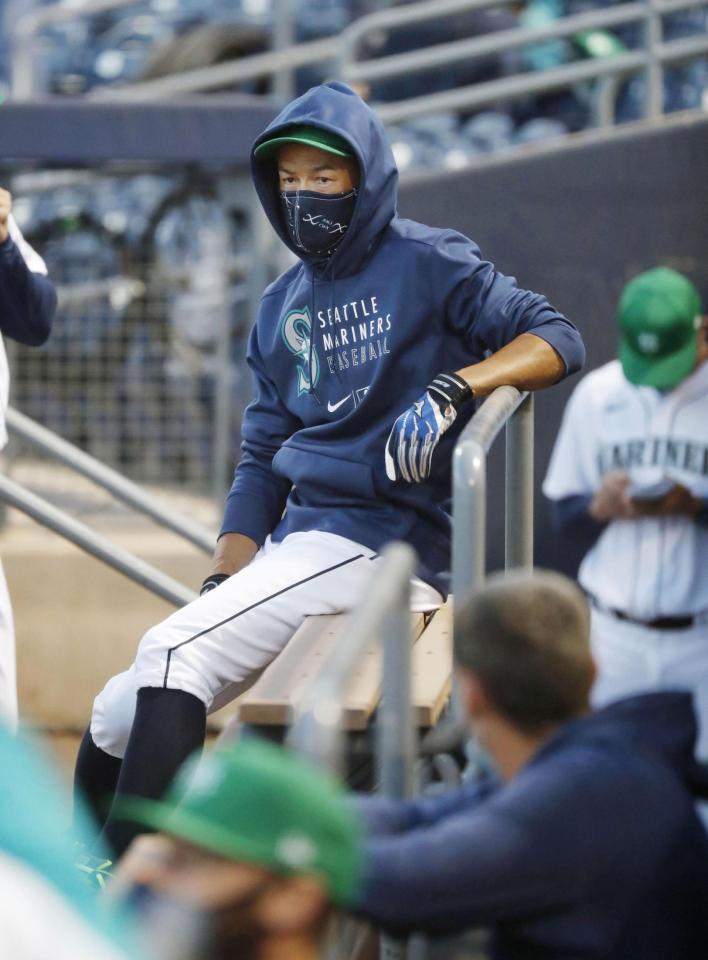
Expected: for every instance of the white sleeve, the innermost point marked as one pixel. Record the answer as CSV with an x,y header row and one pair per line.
x,y
30,256
574,469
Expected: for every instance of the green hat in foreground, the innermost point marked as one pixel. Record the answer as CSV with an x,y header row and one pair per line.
x,y
310,136
257,803
659,317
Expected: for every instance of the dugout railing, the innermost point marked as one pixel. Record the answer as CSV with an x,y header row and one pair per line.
x,y
340,57
131,494
317,729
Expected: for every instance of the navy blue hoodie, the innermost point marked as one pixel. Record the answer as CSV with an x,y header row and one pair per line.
x,y
593,850
341,347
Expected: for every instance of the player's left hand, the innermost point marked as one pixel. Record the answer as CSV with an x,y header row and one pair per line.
x,y
679,501
417,432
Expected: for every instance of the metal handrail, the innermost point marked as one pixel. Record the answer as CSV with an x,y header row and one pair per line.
x,y
107,478
499,42
93,543
523,84
223,74
341,50
385,613
506,405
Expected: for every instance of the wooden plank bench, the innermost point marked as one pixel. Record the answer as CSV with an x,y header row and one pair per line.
x,y
273,699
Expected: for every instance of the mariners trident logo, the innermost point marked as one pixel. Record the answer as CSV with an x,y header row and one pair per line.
x,y
296,330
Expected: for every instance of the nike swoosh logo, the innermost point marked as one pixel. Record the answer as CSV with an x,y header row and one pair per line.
x,y
335,406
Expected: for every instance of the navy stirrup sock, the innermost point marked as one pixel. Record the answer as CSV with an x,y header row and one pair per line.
x,y
95,778
168,726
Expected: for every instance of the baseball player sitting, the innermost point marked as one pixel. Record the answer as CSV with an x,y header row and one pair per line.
x,y
587,844
629,473
363,353
27,304
254,846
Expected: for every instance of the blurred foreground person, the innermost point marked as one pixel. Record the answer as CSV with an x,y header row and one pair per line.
x,y
254,844
47,909
588,846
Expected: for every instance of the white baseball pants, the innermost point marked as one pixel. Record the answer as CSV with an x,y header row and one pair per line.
x,y
8,681
212,645
634,659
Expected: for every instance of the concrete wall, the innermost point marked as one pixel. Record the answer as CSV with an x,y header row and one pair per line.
x,y
575,224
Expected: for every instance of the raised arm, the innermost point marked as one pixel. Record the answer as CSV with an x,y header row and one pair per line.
x,y
27,297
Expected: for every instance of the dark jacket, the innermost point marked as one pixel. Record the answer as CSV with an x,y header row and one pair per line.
x,y
27,300
342,347
594,850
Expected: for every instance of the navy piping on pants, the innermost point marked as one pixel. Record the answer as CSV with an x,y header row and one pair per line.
x,y
214,626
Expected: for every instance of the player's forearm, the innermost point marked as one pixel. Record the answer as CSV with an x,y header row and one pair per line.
x,y
528,362
234,551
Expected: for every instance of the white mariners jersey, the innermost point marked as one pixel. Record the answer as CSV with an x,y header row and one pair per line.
x,y
649,567
36,265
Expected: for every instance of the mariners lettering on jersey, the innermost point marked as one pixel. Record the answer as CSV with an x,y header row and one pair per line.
x,y
654,452
354,333
296,331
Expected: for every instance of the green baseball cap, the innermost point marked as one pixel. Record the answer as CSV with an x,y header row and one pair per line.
x,y
310,136
260,804
659,318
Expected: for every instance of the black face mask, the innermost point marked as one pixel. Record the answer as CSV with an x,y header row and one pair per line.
x,y
316,222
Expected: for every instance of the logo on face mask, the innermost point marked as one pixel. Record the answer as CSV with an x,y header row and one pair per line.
x,y
316,222
296,331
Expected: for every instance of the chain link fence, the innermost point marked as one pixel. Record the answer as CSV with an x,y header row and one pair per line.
x,y
145,368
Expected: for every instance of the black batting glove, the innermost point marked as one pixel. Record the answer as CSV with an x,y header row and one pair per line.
x,y
212,582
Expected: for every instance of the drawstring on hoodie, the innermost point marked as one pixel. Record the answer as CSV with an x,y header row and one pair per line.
x,y
313,298
311,352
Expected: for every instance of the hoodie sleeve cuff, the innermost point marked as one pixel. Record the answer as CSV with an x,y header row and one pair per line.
x,y
249,515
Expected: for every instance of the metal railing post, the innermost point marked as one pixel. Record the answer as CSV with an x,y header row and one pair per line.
x,y
469,470
316,732
396,736
654,73
469,513
518,488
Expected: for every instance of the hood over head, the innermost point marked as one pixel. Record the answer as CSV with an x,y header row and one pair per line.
x,y
336,108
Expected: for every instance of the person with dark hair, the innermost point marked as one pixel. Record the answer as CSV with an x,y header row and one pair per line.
x,y
586,843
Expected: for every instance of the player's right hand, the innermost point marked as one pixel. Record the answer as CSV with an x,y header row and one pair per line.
x,y
612,502
5,208
212,582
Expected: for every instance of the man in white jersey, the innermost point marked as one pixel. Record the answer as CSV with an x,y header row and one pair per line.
x,y
629,473
27,305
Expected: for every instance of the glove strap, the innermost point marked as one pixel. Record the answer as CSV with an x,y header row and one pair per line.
x,y
448,388
212,582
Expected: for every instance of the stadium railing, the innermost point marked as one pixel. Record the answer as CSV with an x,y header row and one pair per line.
x,y
339,54
98,546
110,480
